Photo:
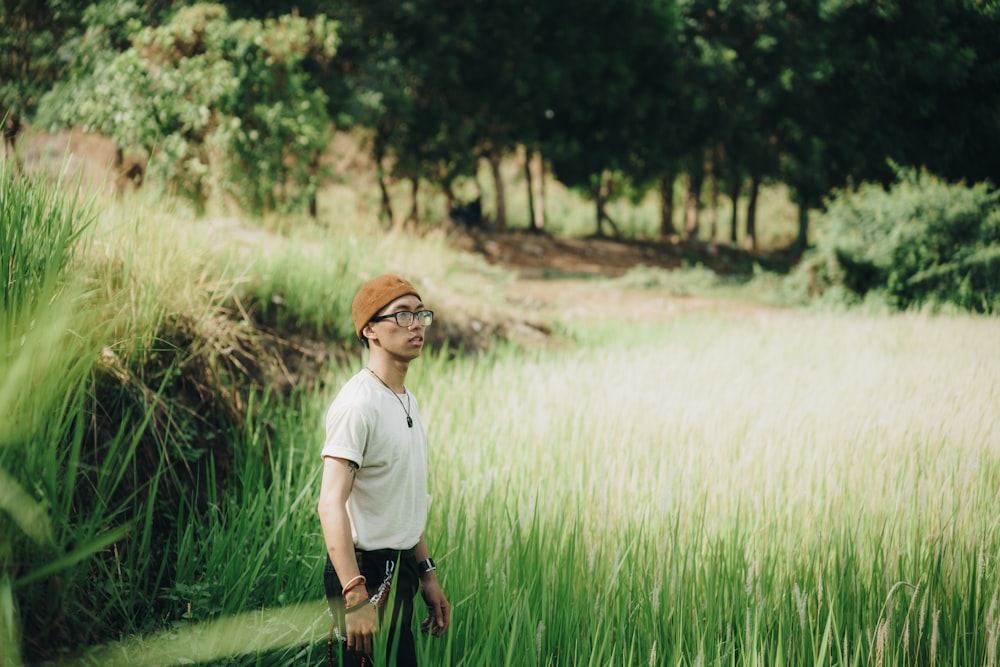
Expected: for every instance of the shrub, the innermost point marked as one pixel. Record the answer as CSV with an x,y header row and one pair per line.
x,y
922,241
222,106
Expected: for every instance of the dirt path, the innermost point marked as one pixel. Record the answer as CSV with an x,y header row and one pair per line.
x,y
561,279
538,255
572,298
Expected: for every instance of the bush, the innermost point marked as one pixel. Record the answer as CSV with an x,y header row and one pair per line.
x,y
223,107
922,241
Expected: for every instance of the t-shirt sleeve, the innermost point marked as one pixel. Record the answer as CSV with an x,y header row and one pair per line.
x,y
347,428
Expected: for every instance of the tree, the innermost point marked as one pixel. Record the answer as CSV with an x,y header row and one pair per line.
x,y
225,105
611,62
940,66
917,82
663,129
30,62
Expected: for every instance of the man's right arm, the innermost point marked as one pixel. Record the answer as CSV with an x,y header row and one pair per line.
x,y
338,480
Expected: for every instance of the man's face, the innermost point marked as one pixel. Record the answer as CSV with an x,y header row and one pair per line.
x,y
404,341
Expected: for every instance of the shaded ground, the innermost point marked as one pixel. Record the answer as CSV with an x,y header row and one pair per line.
x,y
542,255
559,278
572,298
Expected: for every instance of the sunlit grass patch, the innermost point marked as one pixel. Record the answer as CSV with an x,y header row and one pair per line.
x,y
725,486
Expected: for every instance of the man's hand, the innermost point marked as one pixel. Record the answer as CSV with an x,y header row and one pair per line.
x,y
438,609
361,625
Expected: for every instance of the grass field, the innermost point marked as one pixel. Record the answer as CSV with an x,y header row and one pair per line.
x,y
736,487
756,490
709,490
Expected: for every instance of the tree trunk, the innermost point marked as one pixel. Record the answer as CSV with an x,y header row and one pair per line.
x,y
411,219
449,195
378,152
667,228
118,171
692,205
603,193
734,194
501,220
751,240
599,211
802,239
385,210
540,209
528,154
714,160
314,170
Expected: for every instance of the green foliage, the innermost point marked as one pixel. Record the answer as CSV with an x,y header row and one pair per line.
x,y
223,107
608,104
922,241
40,227
48,347
30,58
307,282
38,236
241,106
768,541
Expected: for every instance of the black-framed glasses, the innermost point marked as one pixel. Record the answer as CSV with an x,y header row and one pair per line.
x,y
404,318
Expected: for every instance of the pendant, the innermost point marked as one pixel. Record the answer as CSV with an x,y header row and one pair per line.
x,y
409,421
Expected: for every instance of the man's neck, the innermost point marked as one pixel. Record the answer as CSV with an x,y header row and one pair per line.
x,y
391,372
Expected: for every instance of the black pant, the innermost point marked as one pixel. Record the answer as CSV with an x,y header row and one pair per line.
x,y
378,567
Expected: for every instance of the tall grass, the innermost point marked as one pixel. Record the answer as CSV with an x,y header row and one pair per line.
x,y
714,489
47,348
743,490
109,500
38,232
796,490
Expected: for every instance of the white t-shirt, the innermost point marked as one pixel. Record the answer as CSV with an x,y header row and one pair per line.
x,y
366,424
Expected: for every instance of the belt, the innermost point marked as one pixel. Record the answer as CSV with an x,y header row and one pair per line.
x,y
389,554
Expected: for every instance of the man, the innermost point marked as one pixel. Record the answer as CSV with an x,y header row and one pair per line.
x,y
373,499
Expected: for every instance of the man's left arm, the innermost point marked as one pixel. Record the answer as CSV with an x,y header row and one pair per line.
x,y
438,609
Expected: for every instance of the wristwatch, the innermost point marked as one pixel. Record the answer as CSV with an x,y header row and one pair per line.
x,y
426,566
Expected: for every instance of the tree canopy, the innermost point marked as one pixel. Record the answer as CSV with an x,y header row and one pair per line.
x,y
812,93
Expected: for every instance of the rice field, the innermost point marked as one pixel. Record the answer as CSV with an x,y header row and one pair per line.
x,y
710,489
770,489
733,488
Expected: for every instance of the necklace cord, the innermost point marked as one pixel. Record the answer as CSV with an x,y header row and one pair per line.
x,y
406,408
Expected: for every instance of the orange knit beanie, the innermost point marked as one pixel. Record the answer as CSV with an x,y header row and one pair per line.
x,y
375,295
